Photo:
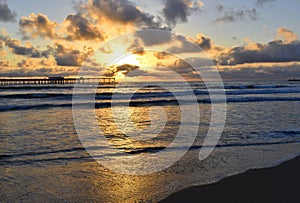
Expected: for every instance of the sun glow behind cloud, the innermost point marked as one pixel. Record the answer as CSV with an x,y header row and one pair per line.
x,y
131,59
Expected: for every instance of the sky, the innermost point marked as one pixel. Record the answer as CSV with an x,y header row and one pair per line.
x,y
243,40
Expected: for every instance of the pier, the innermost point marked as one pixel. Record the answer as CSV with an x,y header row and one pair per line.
x,y
54,81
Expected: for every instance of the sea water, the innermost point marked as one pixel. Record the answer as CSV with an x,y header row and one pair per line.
x,y
42,156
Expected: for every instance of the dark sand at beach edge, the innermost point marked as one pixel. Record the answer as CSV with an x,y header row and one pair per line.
x,y
276,184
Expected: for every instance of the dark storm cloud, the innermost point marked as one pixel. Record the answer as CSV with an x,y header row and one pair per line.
x,y
80,28
177,11
6,14
275,51
123,11
231,15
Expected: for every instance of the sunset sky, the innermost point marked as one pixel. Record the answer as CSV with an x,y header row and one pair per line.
x,y
247,40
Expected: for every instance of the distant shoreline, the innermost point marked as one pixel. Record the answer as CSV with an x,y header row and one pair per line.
x,y
275,184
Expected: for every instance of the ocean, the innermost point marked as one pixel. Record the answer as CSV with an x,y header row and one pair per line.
x,y
42,156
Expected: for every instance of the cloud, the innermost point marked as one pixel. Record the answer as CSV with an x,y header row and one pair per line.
x,y
3,37
177,11
70,57
28,50
287,35
200,62
177,43
131,70
37,25
79,28
74,27
190,45
135,46
126,69
184,45
151,38
48,62
4,63
162,55
261,71
2,52
220,7
181,67
26,63
231,15
62,55
106,49
6,14
203,41
261,3
274,51
121,11
35,72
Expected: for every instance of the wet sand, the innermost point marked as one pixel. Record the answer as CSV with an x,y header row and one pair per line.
x,y
277,184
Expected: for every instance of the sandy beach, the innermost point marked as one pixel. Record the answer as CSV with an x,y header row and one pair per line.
x,y
276,184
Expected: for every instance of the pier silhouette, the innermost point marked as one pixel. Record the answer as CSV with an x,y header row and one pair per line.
x,y
54,81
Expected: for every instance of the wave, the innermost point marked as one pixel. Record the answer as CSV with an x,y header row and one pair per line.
x,y
105,95
248,91
29,158
227,86
141,95
250,86
133,103
7,156
31,161
261,99
34,96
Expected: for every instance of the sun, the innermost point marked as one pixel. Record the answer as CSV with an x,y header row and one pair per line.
x,y
130,59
